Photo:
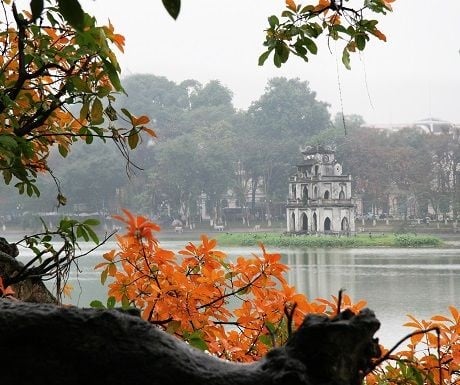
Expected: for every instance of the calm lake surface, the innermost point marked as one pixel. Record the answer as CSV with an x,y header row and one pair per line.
x,y
394,282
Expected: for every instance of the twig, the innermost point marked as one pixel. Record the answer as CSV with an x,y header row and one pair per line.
x,y
388,354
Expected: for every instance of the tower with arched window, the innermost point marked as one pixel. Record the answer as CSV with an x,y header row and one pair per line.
x,y
320,198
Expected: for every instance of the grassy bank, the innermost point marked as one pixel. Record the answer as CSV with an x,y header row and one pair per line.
x,y
361,240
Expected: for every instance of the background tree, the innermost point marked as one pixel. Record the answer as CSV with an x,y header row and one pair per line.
x,y
164,101
287,112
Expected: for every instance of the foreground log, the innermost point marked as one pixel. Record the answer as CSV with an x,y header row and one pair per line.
x,y
47,344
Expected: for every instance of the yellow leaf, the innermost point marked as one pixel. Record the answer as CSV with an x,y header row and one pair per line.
x,y
140,120
291,5
335,19
416,339
379,35
96,111
149,131
322,5
454,312
67,290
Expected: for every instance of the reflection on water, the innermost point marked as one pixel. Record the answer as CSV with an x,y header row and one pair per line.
x,y
394,282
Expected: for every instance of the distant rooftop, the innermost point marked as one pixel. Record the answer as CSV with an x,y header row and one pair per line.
x,y
427,125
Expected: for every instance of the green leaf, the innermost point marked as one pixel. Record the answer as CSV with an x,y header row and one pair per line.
x,y
124,302
277,60
311,46
81,233
97,304
271,327
89,139
196,340
47,238
346,59
7,175
63,150
36,190
36,7
72,12
266,340
80,84
127,113
264,57
91,222
30,190
173,7
51,18
92,234
273,21
360,41
112,74
7,141
282,50
133,139
111,302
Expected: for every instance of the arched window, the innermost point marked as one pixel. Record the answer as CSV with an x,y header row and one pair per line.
x,y
305,192
314,225
304,222
344,225
326,194
292,225
315,192
293,188
316,171
341,195
327,224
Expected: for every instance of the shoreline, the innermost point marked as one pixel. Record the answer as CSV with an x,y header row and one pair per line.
x,y
448,239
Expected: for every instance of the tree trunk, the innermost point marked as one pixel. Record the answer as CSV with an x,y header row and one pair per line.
x,y
30,289
45,344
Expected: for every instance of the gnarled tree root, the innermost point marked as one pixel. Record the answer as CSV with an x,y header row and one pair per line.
x,y
46,344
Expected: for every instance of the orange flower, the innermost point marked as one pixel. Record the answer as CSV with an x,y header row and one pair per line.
x,y
138,227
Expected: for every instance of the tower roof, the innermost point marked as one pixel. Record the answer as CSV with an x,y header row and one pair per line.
x,y
318,149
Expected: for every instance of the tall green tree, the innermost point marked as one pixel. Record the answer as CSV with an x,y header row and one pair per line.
x,y
164,101
289,108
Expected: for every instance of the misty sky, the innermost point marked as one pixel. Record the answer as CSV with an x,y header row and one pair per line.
x,y
416,74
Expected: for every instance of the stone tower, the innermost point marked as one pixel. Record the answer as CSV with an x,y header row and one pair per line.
x,y
320,198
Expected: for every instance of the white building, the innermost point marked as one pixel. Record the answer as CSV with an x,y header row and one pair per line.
x,y
320,198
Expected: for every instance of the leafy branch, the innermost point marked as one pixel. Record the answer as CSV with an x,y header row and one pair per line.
x,y
55,251
301,25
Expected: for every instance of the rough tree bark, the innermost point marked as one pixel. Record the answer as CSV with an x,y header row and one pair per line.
x,y
47,344
31,289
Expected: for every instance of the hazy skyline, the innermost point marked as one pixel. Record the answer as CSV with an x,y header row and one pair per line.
x,y
413,76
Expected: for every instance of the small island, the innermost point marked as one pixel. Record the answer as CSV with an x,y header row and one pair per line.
x,y
360,240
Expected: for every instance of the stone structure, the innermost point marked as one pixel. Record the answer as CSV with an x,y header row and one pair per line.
x,y
320,199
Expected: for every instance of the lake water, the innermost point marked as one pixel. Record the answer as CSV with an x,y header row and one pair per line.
x,y
394,282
